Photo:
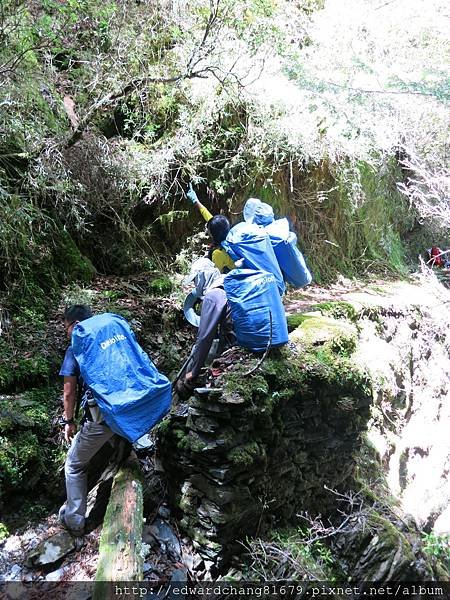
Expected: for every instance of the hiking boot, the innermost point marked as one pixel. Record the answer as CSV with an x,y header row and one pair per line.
x,y
184,390
76,532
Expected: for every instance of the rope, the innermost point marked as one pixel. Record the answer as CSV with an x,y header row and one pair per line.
x,y
264,356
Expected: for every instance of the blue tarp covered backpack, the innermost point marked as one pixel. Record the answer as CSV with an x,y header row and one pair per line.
x,y
130,392
289,257
256,309
252,243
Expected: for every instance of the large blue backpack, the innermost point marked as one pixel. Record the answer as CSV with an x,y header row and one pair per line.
x,y
252,243
256,308
130,392
289,257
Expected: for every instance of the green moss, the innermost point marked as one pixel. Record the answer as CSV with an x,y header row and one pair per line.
x,y
70,263
187,441
337,310
25,426
294,321
161,286
4,533
343,346
118,538
283,366
245,455
390,537
326,340
317,329
369,476
15,372
163,427
30,410
247,388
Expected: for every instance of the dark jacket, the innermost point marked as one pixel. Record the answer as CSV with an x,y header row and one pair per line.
x,y
215,317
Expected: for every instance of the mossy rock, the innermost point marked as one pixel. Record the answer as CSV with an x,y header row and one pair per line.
x,y
383,546
246,454
16,371
294,321
25,453
389,555
70,263
317,329
241,389
337,310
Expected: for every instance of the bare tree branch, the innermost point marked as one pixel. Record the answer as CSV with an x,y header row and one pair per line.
x,y
427,187
366,91
193,71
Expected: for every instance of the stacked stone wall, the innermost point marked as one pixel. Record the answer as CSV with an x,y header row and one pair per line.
x,y
259,447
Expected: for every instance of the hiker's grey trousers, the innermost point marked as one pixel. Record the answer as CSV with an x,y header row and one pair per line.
x,y
86,443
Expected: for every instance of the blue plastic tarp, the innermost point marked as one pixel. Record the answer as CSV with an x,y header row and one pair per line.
x,y
289,257
256,308
130,392
252,243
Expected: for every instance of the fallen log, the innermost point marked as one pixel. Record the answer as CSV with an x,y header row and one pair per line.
x,y
120,556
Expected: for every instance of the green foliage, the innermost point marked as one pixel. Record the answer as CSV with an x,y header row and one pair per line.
x,y
30,410
349,217
437,546
4,533
169,218
294,542
316,152
246,455
362,221
303,557
26,357
25,425
36,256
161,286
16,372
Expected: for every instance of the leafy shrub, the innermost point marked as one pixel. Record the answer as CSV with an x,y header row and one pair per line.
x,y
25,454
437,546
161,286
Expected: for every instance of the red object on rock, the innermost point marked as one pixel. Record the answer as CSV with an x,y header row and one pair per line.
x,y
436,258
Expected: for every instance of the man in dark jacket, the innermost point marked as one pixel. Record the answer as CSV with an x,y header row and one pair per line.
x,y
215,319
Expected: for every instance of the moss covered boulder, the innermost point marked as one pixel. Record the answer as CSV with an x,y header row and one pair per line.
x,y
26,456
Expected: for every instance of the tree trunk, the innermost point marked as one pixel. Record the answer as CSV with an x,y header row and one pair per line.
x,y
120,556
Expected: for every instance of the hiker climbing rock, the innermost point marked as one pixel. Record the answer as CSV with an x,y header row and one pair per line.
x,y
94,432
122,396
218,227
215,318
